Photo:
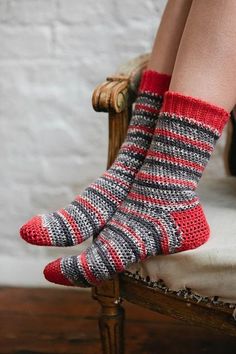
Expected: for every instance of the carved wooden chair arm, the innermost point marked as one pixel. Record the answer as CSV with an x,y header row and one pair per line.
x,y
113,94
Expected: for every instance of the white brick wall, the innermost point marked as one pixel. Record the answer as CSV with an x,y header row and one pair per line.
x,y
52,144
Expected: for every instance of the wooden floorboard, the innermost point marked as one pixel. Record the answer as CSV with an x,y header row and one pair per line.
x,y
65,321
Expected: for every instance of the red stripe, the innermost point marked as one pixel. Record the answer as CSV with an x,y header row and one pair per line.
x,y
184,139
114,178
139,239
127,168
195,109
115,257
177,160
144,176
73,224
88,205
154,82
146,108
141,128
139,197
133,148
89,275
164,240
104,191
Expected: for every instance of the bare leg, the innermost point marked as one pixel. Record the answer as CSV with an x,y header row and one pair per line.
x,y
169,35
206,61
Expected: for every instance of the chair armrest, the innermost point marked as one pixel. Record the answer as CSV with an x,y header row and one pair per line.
x,y
113,94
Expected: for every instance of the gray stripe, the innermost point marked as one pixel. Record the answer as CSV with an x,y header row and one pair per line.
x,y
183,121
154,100
103,256
171,167
64,229
84,211
146,224
69,266
170,143
108,201
132,245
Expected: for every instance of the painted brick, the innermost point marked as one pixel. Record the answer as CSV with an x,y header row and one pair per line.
x,y
25,42
33,11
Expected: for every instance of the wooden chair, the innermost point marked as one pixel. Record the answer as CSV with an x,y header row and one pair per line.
x,y
116,96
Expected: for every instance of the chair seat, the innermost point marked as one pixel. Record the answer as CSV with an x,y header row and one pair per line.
x,y
209,270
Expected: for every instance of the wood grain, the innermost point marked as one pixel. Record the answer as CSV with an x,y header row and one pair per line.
x,y
65,321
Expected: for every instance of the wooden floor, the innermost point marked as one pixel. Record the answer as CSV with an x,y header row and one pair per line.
x,y
65,321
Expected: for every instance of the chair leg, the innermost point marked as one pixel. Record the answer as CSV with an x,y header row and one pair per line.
x,y
111,325
111,320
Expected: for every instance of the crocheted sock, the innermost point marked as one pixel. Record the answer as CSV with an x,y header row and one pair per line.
x,y
89,212
162,213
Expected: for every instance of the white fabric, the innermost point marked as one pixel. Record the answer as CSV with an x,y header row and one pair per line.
x,y
209,270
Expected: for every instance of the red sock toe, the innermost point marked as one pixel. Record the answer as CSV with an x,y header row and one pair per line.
x,y
53,273
33,232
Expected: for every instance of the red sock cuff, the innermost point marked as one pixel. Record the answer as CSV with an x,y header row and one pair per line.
x,y
195,109
154,82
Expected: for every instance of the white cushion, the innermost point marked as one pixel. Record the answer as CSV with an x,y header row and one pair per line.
x,y
209,270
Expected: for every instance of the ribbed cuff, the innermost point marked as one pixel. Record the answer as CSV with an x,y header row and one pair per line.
x,y
154,82
196,109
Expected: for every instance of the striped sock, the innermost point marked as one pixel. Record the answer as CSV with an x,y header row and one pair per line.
x,y
162,213
89,212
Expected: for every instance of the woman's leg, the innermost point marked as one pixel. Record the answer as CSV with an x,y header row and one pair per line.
x,y
162,213
168,36
205,66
